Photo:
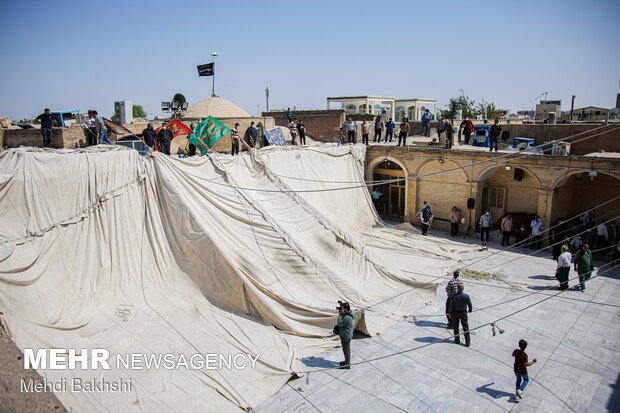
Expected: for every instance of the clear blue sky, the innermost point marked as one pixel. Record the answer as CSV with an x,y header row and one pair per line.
x,y
80,55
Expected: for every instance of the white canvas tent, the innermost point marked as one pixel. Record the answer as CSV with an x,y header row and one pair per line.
x,y
103,248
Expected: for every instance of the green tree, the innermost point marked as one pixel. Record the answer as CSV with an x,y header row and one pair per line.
x,y
488,110
457,103
138,111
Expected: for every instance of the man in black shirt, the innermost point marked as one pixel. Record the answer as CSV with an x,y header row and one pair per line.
x,y
47,122
251,135
149,135
164,137
460,305
494,133
302,132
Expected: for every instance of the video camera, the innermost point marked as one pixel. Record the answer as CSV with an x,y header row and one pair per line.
x,y
343,306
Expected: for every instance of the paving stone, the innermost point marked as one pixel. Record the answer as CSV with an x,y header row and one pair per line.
x,y
576,344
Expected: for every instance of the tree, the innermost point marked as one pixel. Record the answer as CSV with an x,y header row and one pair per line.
x,y
138,111
488,110
455,104
470,108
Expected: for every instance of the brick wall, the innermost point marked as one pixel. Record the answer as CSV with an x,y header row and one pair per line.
x,y
608,140
321,125
14,138
74,136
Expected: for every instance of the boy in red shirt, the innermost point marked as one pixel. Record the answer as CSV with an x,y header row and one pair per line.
x,y
520,368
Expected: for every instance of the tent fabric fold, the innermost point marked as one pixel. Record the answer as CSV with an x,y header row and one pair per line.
x,y
104,248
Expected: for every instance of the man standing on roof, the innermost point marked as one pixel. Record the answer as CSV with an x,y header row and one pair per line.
x,y
468,127
364,133
251,134
47,122
89,128
351,131
494,133
426,123
164,137
451,290
378,129
389,129
460,305
404,131
292,126
301,128
101,129
149,135
234,133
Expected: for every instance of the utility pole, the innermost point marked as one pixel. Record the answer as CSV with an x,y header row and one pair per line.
x,y
214,56
267,98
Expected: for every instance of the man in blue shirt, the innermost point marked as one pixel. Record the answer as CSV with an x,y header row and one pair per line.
x,y
426,123
345,322
460,305
426,217
251,134
389,129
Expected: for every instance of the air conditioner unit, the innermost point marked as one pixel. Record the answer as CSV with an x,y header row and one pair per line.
x,y
124,111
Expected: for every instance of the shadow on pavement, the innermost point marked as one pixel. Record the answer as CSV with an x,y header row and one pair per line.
x,y
496,394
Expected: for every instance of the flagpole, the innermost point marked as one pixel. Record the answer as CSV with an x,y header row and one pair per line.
x,y
214,56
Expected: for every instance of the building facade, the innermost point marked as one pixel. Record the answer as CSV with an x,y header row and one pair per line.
x,y
386,106
552,187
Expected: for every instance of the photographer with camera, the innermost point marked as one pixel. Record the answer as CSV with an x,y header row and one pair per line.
x,y
344,329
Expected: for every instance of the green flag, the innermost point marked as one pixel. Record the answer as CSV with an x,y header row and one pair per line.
x,y
207,132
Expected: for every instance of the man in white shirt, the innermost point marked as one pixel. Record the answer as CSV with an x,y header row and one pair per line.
x,y
351,131
537,229
564,262
602,235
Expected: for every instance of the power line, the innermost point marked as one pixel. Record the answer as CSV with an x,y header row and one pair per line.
x,y
470,330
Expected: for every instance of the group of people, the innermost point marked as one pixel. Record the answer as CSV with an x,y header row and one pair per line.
x,y
458,306
297,129
94,128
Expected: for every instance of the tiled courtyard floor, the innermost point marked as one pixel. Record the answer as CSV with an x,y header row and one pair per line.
x,y
574,335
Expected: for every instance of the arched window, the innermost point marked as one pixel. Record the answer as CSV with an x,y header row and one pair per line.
x,y
411,113
350,109
376,110
400,113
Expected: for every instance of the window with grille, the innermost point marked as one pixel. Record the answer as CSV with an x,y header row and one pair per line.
x,y
497,197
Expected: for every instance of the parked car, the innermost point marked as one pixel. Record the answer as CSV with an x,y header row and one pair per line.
x,y
520,144
519,220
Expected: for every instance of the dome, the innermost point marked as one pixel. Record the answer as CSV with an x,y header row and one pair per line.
x,y
217,107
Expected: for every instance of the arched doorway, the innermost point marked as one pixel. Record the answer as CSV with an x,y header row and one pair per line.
x,y
580,191
391,203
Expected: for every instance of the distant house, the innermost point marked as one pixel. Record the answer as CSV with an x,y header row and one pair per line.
x,y
548,108
586,114
388,107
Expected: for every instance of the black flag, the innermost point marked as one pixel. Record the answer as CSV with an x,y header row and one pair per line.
x,y
205,70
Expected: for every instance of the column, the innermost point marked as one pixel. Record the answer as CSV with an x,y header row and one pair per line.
x,y
545,205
